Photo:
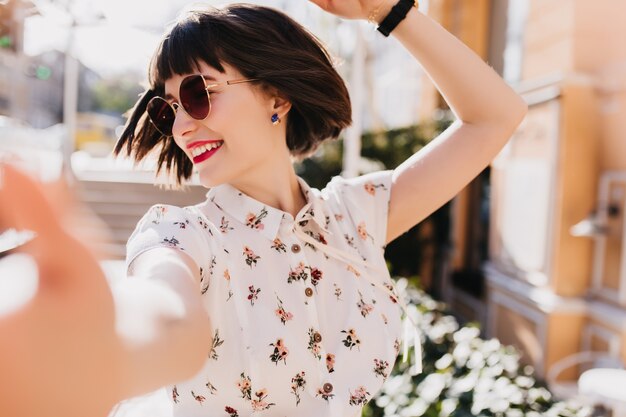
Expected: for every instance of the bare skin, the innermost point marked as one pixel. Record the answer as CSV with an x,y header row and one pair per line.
x,y
77,346
56,335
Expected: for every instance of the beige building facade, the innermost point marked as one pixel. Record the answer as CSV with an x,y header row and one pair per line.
x,y
550,256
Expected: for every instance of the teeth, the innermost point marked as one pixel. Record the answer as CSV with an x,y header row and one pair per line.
x,y
199,150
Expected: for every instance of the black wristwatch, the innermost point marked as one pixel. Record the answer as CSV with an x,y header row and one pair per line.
x,y
395,16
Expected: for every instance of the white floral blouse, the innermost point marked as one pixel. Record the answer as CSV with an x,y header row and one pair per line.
x,y
303,310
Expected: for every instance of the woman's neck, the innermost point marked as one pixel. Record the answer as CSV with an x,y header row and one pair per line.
x,y
278,188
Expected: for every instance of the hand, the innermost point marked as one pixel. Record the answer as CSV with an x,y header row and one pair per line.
x,y
58,348
356,9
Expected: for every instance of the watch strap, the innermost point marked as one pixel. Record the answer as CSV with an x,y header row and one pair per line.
x,y
395,16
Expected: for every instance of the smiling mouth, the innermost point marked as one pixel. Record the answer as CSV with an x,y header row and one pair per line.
x,y
204,152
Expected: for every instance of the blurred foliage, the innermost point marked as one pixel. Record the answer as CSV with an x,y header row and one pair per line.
x,y
463,374
387,150
115,95
382,149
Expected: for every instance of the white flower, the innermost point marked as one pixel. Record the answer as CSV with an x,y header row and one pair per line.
x,y
466,334
431,387
461,354
448,406
476,360
536,394
524,381
401,399
444,362
484,385
398,384
382,401
493,371
417,408
391,409
511,362
491,346
463,384
493,358
499,405
514,412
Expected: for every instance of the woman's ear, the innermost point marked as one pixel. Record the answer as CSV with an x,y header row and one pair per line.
x,y
280,103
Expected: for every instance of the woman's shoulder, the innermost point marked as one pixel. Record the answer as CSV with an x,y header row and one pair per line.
x,y
359,189
165,225
182,217
160,212
361,203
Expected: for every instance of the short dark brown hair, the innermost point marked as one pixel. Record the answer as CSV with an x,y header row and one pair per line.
x,y
261,43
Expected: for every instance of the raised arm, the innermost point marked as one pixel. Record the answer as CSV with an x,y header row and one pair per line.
x,y
487,109
488,112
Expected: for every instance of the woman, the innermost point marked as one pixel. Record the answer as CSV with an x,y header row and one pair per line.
x,y
271,297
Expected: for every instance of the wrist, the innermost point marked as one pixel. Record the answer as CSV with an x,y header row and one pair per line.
x,y
379,12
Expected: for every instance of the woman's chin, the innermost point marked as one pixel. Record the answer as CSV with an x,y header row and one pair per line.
x,y
210,180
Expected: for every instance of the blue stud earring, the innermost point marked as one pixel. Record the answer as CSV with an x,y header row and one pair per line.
x,y
275,119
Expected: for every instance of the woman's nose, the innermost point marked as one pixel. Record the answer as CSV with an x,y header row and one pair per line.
x,y
183,123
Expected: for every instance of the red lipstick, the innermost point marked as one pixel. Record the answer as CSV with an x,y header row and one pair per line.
x,y
206,154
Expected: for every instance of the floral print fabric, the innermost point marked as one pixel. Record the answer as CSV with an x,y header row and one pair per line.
x,y
296,332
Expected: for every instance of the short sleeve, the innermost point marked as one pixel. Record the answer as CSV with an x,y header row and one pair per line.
x,y
366,201
170,227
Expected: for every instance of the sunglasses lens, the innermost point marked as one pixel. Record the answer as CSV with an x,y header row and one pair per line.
x,y
194,98
161,115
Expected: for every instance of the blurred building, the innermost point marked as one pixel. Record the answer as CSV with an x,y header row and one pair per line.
x,y
31,87
12,59
95,132
35,95
538,239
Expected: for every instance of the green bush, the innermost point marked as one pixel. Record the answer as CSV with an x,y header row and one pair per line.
x,y
463,374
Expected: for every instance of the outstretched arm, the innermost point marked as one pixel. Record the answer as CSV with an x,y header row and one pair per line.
x,y
58,342
487,110
75,347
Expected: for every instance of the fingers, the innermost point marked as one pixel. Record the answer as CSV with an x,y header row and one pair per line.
x,y
62,249
24,206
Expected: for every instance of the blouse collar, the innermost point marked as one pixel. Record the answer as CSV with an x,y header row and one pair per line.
x,y
262,217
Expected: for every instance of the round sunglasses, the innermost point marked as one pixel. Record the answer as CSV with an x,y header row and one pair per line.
x,y
194,97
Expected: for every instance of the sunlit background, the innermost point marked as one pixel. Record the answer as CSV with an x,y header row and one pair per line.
x,y
531,251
